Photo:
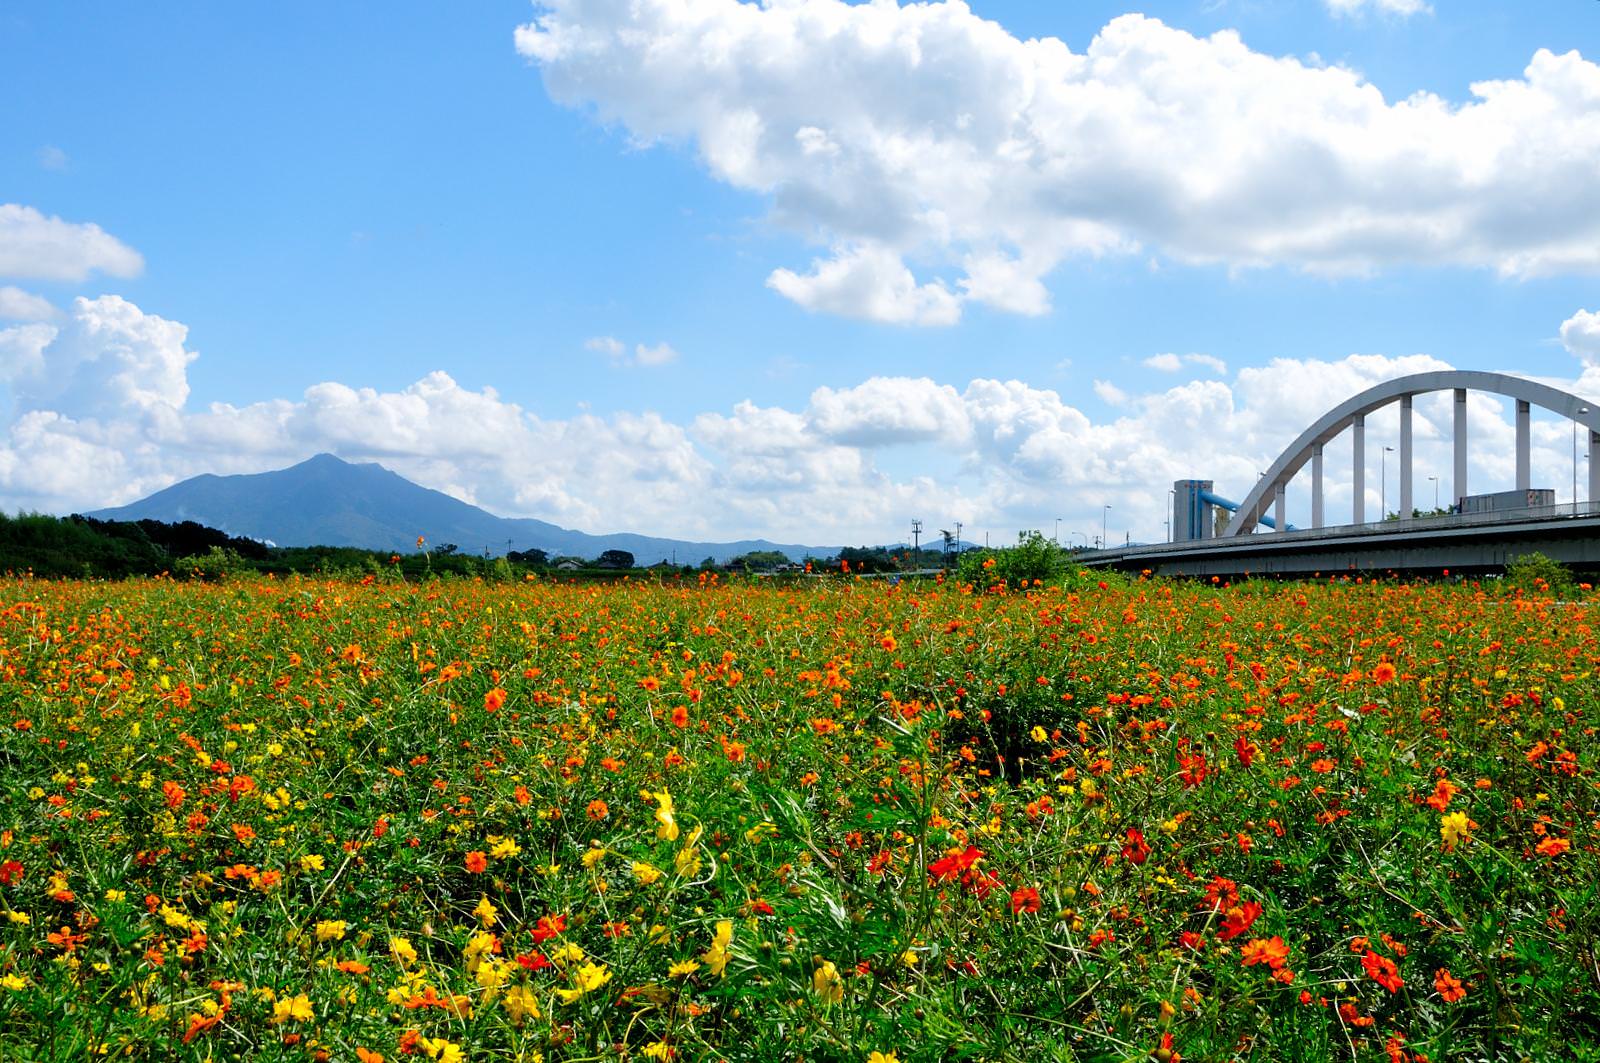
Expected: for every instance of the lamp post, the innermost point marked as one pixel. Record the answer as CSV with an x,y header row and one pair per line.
x,y
1057,537
1383,485
1435,480
1107,509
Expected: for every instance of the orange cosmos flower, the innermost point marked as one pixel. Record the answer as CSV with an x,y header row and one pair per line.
x,y
1443,791
476,861
1238,920
1271,951
1383,970
493,700
1025,899
1553,846
1449,987
1383,673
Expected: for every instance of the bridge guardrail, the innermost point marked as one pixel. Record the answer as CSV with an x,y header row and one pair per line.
x,y
1436,522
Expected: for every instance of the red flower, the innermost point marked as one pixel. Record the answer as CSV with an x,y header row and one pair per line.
x,y
1271,951
1553,846
548,927
1025,899
1449,987
952,866
1238,920
1136,850
1383,970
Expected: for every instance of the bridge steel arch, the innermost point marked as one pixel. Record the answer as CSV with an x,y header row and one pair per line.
x,y
1352,414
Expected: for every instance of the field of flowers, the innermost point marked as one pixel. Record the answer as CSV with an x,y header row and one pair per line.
x,y
306,820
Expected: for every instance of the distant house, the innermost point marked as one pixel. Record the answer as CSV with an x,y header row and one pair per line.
x,y
567,564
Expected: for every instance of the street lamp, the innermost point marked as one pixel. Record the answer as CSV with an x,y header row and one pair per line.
x,y
1383,485
1057,536
1107,509
1435,480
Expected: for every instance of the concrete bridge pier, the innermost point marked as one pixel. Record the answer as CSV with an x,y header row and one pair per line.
x,y
1405,458
1594,467
1458,485
1524,473
1358,460
1316,486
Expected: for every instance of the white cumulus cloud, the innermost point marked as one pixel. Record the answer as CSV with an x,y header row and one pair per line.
x,y
48,248
1401,8
942,160
18,305
101,415
1580,334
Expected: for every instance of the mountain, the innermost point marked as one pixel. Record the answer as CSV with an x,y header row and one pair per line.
x,y
325,501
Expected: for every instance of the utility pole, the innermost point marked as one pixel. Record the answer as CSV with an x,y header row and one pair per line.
x,y
958,538
916,538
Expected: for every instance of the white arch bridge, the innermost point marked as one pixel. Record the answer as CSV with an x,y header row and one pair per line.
x,y
1467,540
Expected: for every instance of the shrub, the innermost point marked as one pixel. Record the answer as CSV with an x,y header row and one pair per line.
x,y
1033,558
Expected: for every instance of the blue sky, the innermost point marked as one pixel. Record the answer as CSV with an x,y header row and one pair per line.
x,y
349,197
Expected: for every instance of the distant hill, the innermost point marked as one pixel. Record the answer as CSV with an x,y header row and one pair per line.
x,y
325,501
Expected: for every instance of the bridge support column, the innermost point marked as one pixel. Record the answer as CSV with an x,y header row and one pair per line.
x,y
1524,475
1279,510
1358,469
1405,457
1458,483
1594,468
1316,486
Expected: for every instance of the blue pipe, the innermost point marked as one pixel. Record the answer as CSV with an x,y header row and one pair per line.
x,y
1233,507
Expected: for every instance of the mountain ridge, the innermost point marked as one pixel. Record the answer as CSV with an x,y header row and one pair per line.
x,y
327,501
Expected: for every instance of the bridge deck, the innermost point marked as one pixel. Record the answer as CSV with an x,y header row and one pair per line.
x,y
1468,543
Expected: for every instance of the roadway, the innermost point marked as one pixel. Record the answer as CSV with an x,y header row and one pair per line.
x,y
1472,543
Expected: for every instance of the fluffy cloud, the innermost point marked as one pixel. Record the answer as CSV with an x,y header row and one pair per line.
x,y
641,355
888,410
48,248
1172,363
869,282
1580,334
925,138
18,305
101,415
1402,8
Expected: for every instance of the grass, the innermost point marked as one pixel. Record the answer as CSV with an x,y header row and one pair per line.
x,y
296,819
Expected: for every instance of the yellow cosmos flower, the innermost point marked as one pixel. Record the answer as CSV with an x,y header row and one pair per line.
x,y
826,982
312,862
646,873
330,930
668,825
1454,828
486,911
682,969
297,1007
716,957
402,951
585,979
521,1004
